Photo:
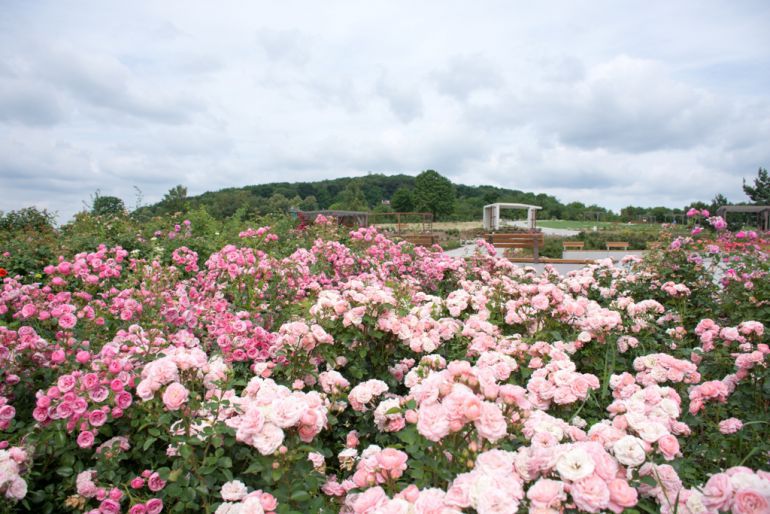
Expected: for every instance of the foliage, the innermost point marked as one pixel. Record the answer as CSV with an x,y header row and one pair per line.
x,y
760,191
433,193
403,200
210,366
108,206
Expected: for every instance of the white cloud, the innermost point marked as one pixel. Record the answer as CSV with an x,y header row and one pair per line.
x,y
663,103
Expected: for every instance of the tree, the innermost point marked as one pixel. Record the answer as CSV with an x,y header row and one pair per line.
x,y
308,203
403,200
175,198
434,193
351,198
760,192
108,206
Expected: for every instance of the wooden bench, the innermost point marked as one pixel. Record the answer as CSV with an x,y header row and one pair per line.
x,y
420,239
527,240
573,245
617,245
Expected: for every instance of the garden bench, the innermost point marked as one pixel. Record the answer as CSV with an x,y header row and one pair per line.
x,y
573,245
617,245
528,240
420,239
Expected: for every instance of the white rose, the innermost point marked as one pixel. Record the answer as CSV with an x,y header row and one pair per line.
x,y
629,450
575,464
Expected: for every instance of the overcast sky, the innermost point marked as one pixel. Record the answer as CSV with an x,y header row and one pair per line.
x,y
617,103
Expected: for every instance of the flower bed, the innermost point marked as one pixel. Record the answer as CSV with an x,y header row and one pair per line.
x,y
359,375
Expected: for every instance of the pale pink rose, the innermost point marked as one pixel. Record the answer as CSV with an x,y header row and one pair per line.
x,y
369,500
431,501
175,396
392,461
730,426
491,424
458,494
591,494
268,439
718,492
286,412
317,459
748,501
622,495
432,422
546,493
233,491
144,390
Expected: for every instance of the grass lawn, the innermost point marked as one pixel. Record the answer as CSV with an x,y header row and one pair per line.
x,y
600,225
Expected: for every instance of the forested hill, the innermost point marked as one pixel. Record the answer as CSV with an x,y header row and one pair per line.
x,y
370,192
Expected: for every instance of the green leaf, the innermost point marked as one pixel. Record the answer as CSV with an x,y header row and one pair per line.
x,y
64,471
300,496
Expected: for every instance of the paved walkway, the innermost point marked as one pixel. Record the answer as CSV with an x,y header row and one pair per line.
x,y
469,250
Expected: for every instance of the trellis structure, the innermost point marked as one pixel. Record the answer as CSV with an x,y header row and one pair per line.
x,y
762,213
492,214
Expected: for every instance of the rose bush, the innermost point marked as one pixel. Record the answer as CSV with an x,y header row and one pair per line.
x,y
310,370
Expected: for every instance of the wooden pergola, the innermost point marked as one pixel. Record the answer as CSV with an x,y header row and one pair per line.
x,y
762,213
492,214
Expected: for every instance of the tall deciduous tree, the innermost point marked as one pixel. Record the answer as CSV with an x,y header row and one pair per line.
x,y
760,192
434,193
351,198
403,200
175,198
108,206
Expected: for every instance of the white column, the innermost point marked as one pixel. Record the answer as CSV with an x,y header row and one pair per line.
x,y
497,217
531,218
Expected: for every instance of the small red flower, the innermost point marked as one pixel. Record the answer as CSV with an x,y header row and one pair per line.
x,y
3,272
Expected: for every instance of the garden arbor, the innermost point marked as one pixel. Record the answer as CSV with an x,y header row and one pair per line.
x,y
762,213
492,214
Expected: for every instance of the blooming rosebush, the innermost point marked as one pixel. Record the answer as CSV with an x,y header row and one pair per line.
x,y
310,370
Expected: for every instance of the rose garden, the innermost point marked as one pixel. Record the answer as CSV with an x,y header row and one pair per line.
x,y
314,369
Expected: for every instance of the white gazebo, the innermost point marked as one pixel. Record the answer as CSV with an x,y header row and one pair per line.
x,y
492,214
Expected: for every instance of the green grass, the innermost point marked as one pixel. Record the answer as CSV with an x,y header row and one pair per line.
x,y
600,225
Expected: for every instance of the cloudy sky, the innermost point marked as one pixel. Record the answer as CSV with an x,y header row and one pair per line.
x,y
612,102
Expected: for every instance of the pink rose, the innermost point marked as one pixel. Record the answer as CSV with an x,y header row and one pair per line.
x,y
669,446
718,492
139,508
154,506
591,494
392,461
748,501
547,494
432,422
369,500
175,396
155,483
730,426
85,439
491,424
622,495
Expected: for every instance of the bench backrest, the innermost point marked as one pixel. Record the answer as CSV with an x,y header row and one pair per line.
x,y
617,244
579,245
420,239
517,240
